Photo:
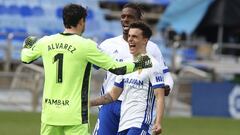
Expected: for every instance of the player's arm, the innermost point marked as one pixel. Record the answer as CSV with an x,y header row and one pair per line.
x,y
159,94
31,50
168,80
108,97
157,81
104,61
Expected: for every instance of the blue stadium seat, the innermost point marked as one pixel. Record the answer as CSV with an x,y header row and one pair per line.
x,y
50,31
19,37
37,11
59,12
3,9
9,29
90,14
25,11
189,54
13,10
3,36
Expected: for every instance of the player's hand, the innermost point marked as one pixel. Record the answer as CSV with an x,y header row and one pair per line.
x,y
166,90
157,129
143,61
29,42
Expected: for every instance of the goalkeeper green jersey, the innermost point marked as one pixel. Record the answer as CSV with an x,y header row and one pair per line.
x,y
67,60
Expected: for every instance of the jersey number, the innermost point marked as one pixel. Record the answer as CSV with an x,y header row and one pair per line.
x,y
59,59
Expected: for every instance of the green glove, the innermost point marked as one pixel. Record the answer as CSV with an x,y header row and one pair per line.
x,y
143,61
29,42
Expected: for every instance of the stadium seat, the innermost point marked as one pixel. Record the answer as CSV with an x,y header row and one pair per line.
x,y
9,29
189,54
90,14
25,11
37,11
3,36
3,9
59,12
13,10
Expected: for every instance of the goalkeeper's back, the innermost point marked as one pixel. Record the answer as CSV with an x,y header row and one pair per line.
x,y
67,62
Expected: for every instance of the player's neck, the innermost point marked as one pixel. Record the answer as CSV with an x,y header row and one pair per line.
x,y
135,56
72,31
125,37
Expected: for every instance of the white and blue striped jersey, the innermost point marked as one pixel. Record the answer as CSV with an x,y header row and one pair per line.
x,y
118,49
138,104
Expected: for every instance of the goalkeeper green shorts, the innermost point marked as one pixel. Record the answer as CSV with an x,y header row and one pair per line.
x,y
82,129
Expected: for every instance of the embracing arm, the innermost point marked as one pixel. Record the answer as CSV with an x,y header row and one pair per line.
x,y
100,59
107,98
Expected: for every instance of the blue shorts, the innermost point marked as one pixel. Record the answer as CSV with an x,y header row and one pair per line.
x,y
108,119
133,131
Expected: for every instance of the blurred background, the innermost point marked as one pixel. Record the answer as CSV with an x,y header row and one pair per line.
x,y
199,39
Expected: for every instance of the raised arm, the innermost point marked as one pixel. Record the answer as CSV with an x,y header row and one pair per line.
x,y
30,51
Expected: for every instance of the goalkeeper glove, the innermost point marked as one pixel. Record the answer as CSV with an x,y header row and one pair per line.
x,y
143,61
29,42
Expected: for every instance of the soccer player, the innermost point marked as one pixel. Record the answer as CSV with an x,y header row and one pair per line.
x,y
67,59
139,90
117,47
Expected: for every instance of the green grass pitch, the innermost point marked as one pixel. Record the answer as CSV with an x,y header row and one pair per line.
x,y
25,123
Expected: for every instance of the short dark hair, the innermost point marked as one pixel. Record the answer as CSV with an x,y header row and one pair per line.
x,y
72,14
146,30
135,7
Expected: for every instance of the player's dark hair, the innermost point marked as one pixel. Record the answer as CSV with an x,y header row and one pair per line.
x,y
136,7
146,30
72,14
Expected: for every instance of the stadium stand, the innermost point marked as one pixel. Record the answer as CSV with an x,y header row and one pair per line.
x,y
43,17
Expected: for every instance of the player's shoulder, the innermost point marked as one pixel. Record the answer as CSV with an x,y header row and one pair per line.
x,y
84,40
151,46
151,43
111,41
154,61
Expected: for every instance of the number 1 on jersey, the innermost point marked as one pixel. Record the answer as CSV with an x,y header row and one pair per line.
x,y
59,59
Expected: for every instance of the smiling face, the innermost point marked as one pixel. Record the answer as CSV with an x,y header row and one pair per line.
x,y
137,42
128,16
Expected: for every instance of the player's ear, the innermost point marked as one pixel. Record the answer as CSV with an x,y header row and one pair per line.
x,y
82,22
146,40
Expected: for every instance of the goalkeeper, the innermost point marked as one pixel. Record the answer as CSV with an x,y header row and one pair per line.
x,y
67,59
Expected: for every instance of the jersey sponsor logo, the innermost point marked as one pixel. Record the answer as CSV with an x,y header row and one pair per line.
x,y
67,47
56,102
135,83
159,78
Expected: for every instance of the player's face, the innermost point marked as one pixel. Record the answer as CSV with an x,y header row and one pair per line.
x,y
128,16
136,41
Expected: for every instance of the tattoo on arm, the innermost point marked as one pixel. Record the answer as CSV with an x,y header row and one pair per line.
x,y
104,99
